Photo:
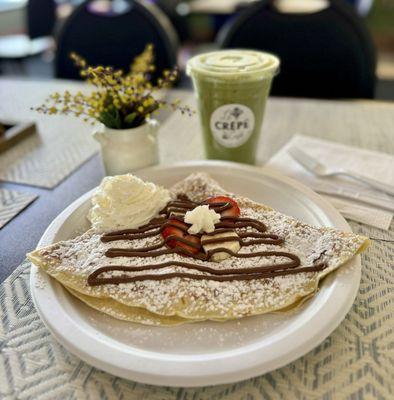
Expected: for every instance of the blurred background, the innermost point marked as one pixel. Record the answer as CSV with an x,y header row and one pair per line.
x,y
329,48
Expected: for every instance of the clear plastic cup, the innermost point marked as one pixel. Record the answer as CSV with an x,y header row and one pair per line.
x,y
232,87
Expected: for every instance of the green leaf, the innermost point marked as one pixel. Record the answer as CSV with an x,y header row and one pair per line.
x,y
111,118
129,119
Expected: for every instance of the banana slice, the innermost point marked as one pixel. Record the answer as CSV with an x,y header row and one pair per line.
x,y
231,245
176,214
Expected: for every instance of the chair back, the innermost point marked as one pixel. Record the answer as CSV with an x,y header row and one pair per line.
x,y
324,54
41,18
114,38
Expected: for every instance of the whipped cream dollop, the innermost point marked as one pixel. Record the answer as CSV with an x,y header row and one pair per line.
x,y
125,201
202,218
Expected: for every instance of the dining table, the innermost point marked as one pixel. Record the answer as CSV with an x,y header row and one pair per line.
x,y
356,361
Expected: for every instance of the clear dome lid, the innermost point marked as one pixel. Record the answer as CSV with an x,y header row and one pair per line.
x,y
234,64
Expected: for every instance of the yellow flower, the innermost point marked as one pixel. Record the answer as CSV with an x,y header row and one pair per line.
x,y
127,92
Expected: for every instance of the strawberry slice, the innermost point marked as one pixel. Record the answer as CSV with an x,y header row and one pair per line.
x,y
234,211
189,247
178,229
173,231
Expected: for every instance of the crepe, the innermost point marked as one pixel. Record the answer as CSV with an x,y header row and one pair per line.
x,y
179,300
126,313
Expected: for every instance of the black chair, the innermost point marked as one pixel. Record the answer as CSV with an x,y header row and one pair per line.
x,y
40,21
41,18
179,21
115,37
326,54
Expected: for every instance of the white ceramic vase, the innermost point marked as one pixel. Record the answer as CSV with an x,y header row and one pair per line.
x,y
124,150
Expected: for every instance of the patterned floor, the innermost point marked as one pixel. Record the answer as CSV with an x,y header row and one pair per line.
x,y
355,362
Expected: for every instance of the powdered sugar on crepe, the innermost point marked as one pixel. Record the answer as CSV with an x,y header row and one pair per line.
x,y
204,298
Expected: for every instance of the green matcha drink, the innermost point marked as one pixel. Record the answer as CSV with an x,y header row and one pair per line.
x,y
232,87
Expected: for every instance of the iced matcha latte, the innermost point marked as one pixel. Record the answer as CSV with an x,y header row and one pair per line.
x,y
232,87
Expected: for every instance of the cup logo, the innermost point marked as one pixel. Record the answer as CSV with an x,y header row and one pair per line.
x,y
232,124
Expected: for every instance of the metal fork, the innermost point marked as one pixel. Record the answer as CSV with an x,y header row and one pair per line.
x,y
319,169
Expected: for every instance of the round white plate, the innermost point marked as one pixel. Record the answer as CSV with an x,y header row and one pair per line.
x,y
205,353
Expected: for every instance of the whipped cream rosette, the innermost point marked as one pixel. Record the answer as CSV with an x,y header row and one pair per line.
x,y
125,201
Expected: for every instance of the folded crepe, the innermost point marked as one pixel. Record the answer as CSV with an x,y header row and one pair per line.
x,y
191,294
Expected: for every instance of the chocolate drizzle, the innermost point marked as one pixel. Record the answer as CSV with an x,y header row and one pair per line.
x,y
181,205
226,224
243,274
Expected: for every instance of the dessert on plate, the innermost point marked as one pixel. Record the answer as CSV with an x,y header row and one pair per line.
x,y
192,252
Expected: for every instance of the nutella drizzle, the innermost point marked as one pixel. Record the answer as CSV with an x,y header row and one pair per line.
x,y
226,224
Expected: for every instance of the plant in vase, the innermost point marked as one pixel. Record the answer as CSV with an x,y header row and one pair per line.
x,y
125,104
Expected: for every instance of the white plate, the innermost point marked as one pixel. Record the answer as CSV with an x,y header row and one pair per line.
x,y
203,353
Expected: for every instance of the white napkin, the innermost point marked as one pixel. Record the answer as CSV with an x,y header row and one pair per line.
x,y
372,164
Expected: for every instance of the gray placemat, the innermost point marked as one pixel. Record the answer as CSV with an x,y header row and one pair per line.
x,y
12,203
59,146
355,362
47,157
